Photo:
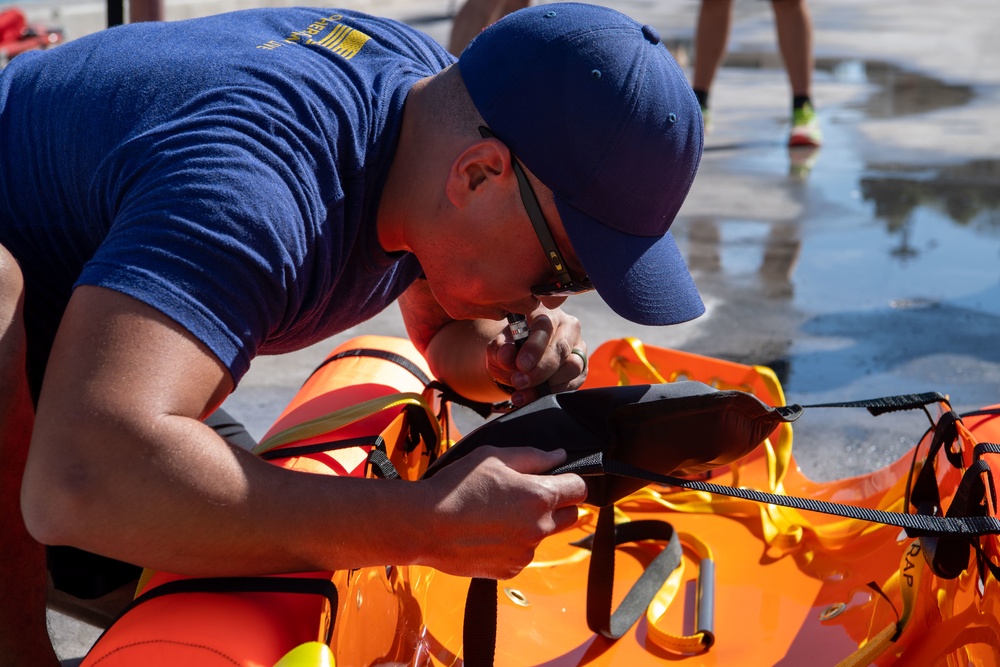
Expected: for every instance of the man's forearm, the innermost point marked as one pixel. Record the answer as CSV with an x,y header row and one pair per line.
x,y
457,356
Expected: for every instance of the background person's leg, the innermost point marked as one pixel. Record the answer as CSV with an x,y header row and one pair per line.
x,y
711,36
795,35
795,40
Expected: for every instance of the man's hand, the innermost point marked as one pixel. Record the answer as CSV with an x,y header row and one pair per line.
x,y
489,510
553,356
470,356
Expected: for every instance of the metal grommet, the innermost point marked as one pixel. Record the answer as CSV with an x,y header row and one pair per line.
x,y
672,117
517,597
549,15
596,73
833,611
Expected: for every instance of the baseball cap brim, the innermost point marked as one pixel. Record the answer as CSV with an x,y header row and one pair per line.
x,y
657,288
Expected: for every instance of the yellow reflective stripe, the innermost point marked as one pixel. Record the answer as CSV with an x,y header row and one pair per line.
x,y
340,418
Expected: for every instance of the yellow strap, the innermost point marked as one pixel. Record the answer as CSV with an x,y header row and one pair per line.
x,y
657,609
911,568
341,418
647,365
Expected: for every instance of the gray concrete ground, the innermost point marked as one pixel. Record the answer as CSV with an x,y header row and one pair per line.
x,y
872,269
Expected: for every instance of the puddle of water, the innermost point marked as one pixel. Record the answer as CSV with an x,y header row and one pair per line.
x,y
876,278
966,194
896,91
901,93
868,234
908,251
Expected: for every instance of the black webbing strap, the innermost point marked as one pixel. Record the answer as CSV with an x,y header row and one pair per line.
x,y
379,464
484,410
479,632
297,585
319,447
948,556
985,448
479,626
419,428
397,359
925,495
601,575
916,525
879,406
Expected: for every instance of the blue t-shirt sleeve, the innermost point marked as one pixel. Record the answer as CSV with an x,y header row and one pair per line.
x,y
214,236
242,203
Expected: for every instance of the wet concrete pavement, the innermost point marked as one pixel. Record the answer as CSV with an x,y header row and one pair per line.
x,y
869,268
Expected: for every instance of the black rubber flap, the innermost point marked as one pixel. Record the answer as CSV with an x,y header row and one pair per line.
x,y
679,427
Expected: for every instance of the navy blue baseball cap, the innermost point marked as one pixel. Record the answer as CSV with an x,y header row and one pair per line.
x,y
596,107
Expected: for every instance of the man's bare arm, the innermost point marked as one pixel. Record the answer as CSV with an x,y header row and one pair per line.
x,y
121,465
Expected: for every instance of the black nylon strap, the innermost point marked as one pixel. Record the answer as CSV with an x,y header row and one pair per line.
x,y
916,525
484,410
878,406
380,464
479,630
298,585
419,428
977,453
305,450
397,359
479,633
589,465
986,448
601,575
948,556
985,563
925,496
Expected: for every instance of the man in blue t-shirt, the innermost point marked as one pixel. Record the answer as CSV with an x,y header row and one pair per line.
x,y
178,198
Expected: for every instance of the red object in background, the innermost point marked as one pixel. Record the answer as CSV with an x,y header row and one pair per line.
x,y
16,36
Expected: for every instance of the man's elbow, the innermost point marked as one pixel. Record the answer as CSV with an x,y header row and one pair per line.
x,y
59,501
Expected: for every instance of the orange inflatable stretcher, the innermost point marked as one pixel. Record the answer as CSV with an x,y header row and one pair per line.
x,y
757,583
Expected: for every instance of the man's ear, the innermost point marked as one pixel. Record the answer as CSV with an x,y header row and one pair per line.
x,y
481,164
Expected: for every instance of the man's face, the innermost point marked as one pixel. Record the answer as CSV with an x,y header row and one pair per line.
x,y
491,270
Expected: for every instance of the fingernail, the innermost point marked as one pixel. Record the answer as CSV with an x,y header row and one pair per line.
x,y
520,380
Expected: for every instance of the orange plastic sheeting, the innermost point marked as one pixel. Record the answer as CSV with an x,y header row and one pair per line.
x,y
791,588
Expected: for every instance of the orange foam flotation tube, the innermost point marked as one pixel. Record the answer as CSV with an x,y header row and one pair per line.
x,y
374,388
781,586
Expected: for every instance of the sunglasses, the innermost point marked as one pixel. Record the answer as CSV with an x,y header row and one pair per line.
x,y
564,284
